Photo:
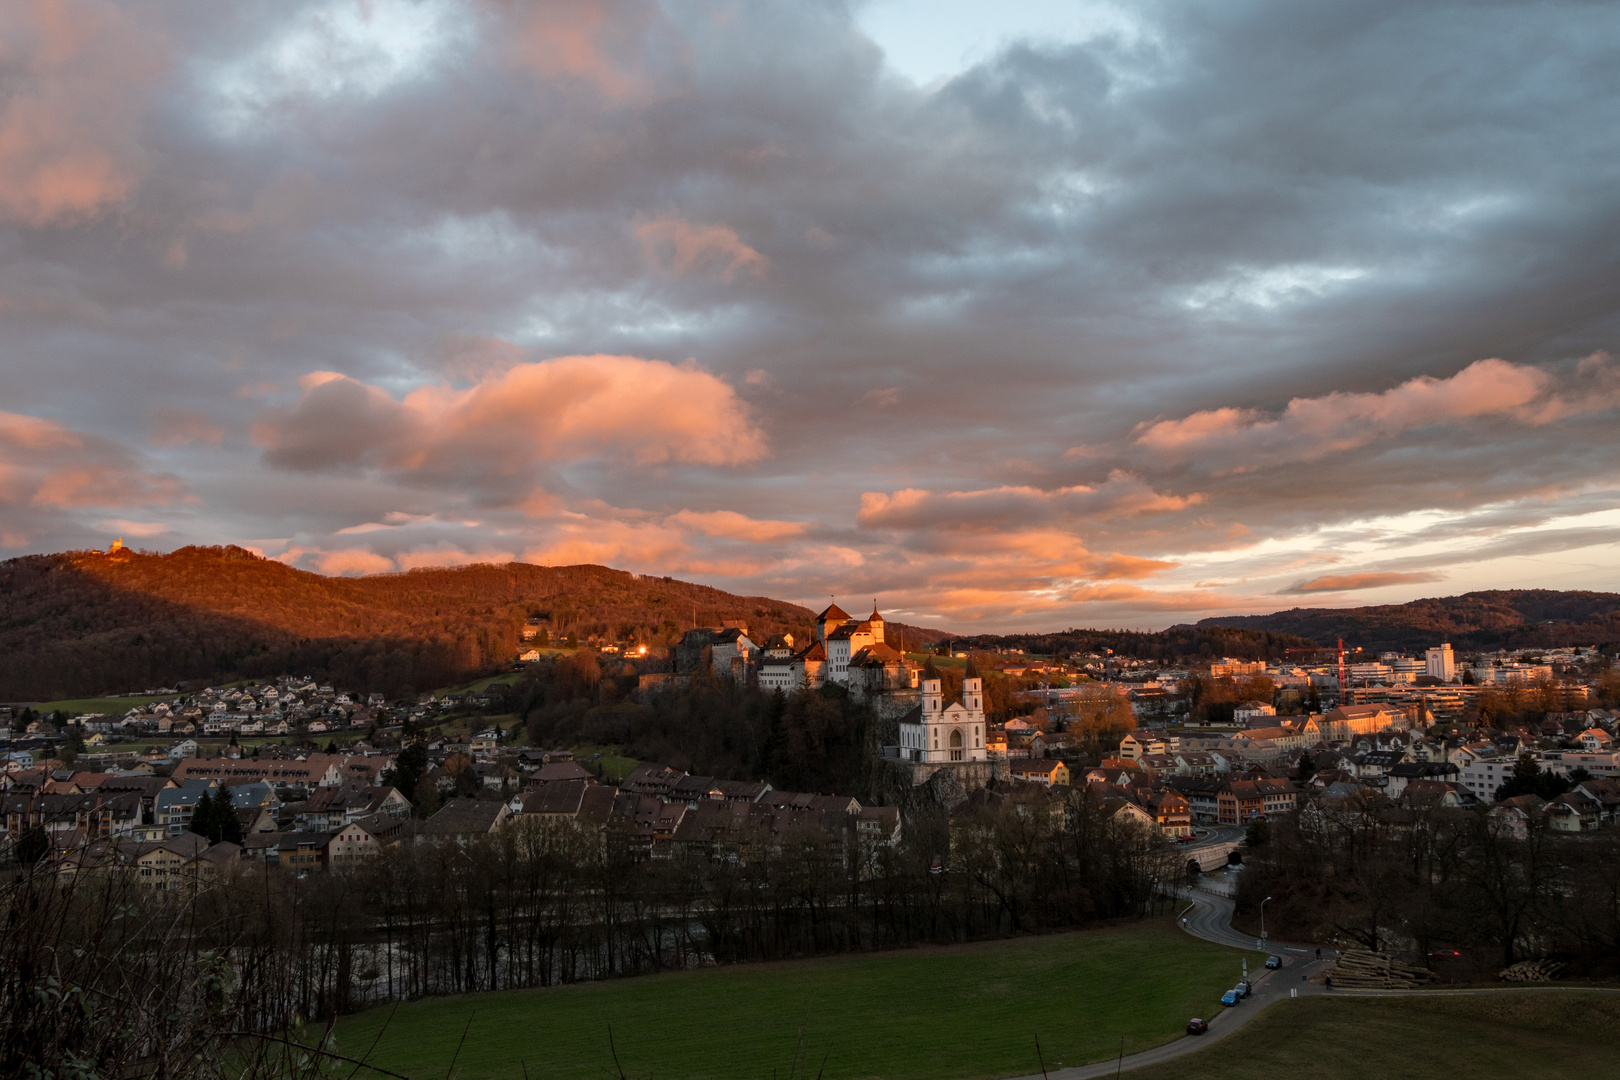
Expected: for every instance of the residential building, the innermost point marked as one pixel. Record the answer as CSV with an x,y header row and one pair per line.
x,y
1239,802
1047,773
1250,711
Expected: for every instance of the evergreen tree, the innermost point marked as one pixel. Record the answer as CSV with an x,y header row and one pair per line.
x,y
215,818
202,815
409,768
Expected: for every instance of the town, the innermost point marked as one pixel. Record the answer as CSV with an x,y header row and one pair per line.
x,y
188,786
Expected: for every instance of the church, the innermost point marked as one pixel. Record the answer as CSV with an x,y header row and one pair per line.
x,y
940,732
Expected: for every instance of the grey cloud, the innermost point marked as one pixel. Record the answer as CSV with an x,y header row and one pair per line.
x,y
1241,205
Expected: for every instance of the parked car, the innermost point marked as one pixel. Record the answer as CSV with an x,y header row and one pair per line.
x,y
1231,997
1196,1026
1273,962
1244,988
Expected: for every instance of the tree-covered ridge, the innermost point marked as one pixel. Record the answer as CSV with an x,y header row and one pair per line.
x,y
81,623
1495,619
1179,644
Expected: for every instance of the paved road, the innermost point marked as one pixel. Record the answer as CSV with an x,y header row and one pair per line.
x,y
1210,917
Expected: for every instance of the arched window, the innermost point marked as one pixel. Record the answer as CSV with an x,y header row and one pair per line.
x,y
956,745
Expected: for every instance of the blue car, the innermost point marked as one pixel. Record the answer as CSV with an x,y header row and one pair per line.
x,y
1231,997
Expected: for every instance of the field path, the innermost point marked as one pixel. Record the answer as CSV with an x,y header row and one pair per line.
x,y
1209,916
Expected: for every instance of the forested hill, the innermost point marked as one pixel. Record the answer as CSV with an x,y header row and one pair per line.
x,y
81,623
1498,619
1177,645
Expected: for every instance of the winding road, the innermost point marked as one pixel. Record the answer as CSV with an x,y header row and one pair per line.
x,y
1209,916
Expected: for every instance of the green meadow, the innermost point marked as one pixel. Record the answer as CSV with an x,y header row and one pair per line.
x,y
961,1011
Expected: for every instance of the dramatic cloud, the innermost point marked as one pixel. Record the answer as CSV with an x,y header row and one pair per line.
x,y
45,464
182,427
687,248
731,525
643,412
608,45
1162,314
1352,582
1310,428
1005,507
74,80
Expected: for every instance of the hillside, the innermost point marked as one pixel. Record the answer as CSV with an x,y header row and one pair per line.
x,y
1497,619
1177,645
83,623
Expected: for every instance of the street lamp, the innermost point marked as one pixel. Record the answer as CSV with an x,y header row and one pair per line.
x,y
1263,904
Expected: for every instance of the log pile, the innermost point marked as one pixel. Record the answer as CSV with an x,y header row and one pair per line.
x,y
1532,971
1363,969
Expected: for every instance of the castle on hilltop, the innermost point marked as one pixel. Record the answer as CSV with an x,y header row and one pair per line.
x,y
847,651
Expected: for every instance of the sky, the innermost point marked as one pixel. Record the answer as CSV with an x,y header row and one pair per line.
x,y
1015,316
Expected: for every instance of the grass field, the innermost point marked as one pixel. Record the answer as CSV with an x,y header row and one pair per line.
x,y
112,706
963,1011
508,678
614,764
1527,1035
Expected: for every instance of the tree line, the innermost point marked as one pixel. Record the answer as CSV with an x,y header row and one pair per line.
x,y
109,978
1493,886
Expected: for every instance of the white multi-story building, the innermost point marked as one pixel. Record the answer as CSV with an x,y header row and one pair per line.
x,y
849,652
942,732
1484,768
1373,672
1441,663
1407,670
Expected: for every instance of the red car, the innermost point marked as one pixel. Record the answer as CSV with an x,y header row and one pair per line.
x,y
1196,1026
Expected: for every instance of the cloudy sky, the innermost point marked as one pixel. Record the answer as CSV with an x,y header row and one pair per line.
x,y
1022,315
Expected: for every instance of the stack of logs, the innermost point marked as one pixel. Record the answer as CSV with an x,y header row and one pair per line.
x,y
1532,971
1362,969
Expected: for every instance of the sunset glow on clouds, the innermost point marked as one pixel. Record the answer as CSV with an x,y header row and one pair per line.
x,y
1121,321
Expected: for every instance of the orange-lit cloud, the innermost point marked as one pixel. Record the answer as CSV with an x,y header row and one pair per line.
x,y
451,556
1002,507
617,408
1311,428
685,248
613,46
642,545
351,561
1352,582
76,74
182,427
44,464
125,527
734,526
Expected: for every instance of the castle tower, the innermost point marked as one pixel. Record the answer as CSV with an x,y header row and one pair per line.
x,y
876,623
830,620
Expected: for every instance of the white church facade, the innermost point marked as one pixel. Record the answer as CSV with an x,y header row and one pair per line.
x,y
939,732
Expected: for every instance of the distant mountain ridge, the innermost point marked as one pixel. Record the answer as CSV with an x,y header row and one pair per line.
x,y
1493,619
82,623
